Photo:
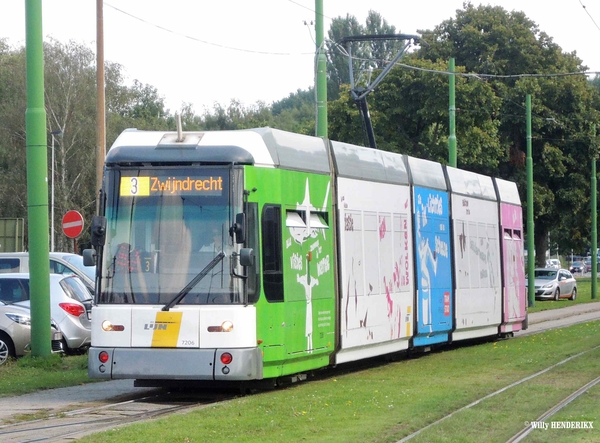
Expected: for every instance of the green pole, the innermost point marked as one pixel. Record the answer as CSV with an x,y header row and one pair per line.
x,y
594,220
321,72
37,183
452,112
530,226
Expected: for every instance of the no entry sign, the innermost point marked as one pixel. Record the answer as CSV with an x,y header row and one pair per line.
x,y
72,224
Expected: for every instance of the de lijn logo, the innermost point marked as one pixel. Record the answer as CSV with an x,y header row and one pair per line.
x,y
157,326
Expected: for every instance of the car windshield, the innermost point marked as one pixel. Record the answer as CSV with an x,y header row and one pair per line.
x,y
545,274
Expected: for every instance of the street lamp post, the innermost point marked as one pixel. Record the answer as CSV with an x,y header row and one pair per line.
x,y
53,134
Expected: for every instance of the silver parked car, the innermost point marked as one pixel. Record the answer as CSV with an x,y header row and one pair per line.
x,y
15,332
551,283
70,305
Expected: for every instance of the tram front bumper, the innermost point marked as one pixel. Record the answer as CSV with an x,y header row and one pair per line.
x,y
175,364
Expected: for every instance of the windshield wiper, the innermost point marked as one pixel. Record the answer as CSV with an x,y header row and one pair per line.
x,y
185,291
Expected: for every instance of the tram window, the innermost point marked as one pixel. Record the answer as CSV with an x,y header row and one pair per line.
x,y
517,234
297,219
293,219
272,260
318,220
507,233
252,242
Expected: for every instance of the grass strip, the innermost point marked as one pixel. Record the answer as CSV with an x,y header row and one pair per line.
x,y
29,374
390,401
501,417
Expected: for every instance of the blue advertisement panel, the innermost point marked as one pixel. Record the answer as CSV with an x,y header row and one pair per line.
x,y
434,273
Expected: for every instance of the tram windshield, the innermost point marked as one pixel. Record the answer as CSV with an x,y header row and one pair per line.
x,y
164,226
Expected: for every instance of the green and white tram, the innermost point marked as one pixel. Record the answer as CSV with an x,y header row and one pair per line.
x,y
254,254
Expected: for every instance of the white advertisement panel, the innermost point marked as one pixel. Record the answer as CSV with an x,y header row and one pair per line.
x,y
478,295
376,272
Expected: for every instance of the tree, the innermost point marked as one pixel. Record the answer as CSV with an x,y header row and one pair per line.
x,y
13,195
70,99
489,40
366,55
296,113
69,80
409,112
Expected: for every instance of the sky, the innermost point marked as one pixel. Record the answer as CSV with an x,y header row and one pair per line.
x,y
204,52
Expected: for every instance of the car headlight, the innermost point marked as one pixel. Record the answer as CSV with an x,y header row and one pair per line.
x,y
19,318
548,285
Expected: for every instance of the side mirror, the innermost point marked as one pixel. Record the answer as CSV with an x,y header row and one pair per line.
x,y
247,257
89,257
98,230
239,228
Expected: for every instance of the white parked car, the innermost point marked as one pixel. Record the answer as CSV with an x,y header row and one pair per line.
x,y
553,263
554,284
70,305
64,263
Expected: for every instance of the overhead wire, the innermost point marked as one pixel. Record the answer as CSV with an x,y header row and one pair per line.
x,y
206,42
308,8
589,15
343,51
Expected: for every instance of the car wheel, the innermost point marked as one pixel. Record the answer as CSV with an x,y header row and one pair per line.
x,y
557,295
573,294
7,349
65,346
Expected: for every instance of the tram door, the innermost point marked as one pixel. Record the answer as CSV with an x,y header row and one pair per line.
x,y
433,266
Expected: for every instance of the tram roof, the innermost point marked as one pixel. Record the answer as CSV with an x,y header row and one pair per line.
x,y
261,147
507,191
369,164
471,184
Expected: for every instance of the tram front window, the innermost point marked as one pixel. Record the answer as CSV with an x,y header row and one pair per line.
x,y
163,228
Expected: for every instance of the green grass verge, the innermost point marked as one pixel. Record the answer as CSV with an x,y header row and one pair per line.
x,y
388,402
29,374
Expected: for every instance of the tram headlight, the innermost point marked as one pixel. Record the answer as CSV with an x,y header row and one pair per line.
x,y
108,326
226,326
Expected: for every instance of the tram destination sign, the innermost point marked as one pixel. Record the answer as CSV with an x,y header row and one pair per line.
x,y
156,185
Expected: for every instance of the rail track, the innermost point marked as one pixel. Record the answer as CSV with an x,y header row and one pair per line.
x,y
71,425
528,428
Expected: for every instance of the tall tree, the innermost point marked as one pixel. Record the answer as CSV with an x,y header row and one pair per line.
x,y
409,112
13,103
69,77
490,40
70,99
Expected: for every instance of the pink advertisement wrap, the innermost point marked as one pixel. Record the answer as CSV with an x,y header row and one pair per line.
x,y
513,259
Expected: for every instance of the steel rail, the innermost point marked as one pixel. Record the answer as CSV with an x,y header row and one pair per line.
x,y
493,394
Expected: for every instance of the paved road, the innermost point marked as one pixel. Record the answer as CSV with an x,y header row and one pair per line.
x,y
541,321
78,397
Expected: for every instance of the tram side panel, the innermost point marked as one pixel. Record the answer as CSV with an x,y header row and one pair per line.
x,y
478,293
376,269
515,293
296,309
434,307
